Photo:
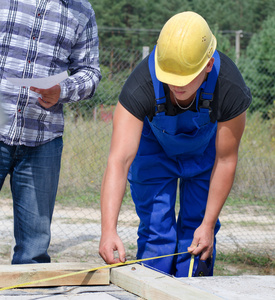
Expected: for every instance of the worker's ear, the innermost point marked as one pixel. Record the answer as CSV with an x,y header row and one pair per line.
x,y
210,64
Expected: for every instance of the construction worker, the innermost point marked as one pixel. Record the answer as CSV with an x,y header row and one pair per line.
x,y
178,123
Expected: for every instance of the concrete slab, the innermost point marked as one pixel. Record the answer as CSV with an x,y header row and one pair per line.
x,y
247,287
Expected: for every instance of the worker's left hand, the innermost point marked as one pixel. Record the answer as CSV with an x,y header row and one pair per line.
x,y
202,243
48,97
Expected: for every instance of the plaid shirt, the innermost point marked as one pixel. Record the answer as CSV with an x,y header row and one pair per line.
x,y
41,38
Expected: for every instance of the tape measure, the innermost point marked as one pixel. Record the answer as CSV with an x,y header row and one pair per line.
x,y
94,269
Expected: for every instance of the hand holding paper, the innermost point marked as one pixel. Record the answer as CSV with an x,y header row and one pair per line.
x,y
48,88
48,97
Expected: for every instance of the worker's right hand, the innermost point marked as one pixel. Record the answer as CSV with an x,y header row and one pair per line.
x,y
108,245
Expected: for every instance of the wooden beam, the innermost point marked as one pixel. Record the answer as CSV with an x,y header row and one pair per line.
x,y
149,284
11,275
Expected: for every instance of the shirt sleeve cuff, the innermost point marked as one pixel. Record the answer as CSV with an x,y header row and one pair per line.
x,y
63,98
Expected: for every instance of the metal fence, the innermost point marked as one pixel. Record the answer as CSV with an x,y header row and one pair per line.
x,y
247,219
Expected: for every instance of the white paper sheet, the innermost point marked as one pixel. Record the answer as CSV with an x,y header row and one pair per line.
x,y
42,83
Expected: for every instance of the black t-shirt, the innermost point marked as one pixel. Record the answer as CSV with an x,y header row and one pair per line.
x,y
231,95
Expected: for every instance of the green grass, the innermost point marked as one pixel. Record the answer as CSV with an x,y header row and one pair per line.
x,y
243,262
86,149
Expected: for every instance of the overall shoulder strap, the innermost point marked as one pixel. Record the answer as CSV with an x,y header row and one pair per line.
x,y
158,86
207,92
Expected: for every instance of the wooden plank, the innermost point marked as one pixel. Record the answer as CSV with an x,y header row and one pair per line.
x,y
152,285
11,275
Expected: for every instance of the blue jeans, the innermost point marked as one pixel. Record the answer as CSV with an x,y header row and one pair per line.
x,y
34,174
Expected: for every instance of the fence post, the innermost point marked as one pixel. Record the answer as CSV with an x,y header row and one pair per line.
x,y
238,44
95,113
145,51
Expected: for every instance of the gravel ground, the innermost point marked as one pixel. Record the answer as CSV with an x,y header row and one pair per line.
x,y
76,233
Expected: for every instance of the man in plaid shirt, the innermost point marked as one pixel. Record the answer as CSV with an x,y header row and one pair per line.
x,y
41,38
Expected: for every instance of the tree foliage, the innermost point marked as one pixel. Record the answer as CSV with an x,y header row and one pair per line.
x,y
129,24
259,67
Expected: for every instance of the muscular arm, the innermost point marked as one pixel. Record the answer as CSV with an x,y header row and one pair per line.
x,y
228,138
124,145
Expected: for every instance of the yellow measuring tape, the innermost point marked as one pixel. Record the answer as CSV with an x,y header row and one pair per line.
x,y
91,270
191,266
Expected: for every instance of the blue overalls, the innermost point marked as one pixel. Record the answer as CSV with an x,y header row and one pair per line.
x,y
171,148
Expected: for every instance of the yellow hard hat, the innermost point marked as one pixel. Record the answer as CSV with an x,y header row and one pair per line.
x,y
184,47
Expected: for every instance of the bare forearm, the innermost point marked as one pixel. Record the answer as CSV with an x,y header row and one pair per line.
x,y
124,145
220,185
227,143
112,192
